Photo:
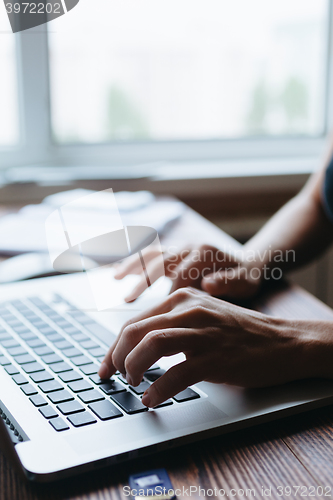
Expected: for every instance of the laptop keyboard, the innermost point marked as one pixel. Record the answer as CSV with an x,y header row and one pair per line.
x,y
54,359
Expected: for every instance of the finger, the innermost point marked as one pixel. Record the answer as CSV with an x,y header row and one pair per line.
x,y
154,272
230,283
175,380
137,290
133,334
154,346
131,265
199,263
168,304
183,274
107,367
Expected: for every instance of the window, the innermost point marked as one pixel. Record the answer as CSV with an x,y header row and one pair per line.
x,y
188,70
128,82
9,126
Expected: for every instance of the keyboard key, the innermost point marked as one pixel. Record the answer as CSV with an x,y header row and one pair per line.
x,y
52,358
90,396
48,412
21,329
14,322
35,342
5,336
54,315
186,395
28,336
71,330
59,424
62,323
89,369
60,396
42,376
38,324
99,351
154,374
7,316
81,318
55,337
80,337
50,386
129,403
42,326
19,379
122,379
4,361
74,313
106,336
168,402
24,359
9,343
47,330
16,351
33,367
80,385
111,387
11,370
81,360
63,344
37,301
95,378
89,344
29,314
43,350
105,410
72,353
28,389
60,367
38,400
80,419
70,407
70,376
141,388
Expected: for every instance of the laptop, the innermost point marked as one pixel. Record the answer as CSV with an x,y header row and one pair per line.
x,y
57,418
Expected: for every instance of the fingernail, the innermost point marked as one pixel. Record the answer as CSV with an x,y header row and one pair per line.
x,y
209,280
103,370
146,399
129,380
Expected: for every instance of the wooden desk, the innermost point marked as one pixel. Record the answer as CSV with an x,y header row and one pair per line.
x,y
296,451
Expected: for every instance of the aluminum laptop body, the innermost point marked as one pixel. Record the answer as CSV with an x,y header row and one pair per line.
x,y
41,317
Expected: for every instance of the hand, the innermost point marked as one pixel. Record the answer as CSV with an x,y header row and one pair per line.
x,y
204,267
222,343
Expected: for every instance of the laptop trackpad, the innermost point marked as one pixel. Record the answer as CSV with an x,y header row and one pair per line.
x,y
145,429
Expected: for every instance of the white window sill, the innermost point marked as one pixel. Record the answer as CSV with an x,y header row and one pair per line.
x,y
177,178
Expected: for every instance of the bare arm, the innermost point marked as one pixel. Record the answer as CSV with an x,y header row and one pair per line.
x,y
298,232
222,343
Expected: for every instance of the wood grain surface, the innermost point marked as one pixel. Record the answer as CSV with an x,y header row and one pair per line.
x,y
294,451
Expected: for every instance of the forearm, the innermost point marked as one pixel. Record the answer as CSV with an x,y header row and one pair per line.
x,y
311,348
296,234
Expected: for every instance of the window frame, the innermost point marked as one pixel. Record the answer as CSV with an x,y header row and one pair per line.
x,y
37,146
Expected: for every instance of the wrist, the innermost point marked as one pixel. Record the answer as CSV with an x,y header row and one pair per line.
x,y
315,341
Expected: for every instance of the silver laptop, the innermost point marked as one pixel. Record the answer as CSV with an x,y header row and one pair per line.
x,y
58,418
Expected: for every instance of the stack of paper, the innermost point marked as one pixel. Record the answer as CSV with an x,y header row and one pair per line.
x,y
25,231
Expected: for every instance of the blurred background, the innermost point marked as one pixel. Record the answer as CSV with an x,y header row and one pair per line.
x,y
226,105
